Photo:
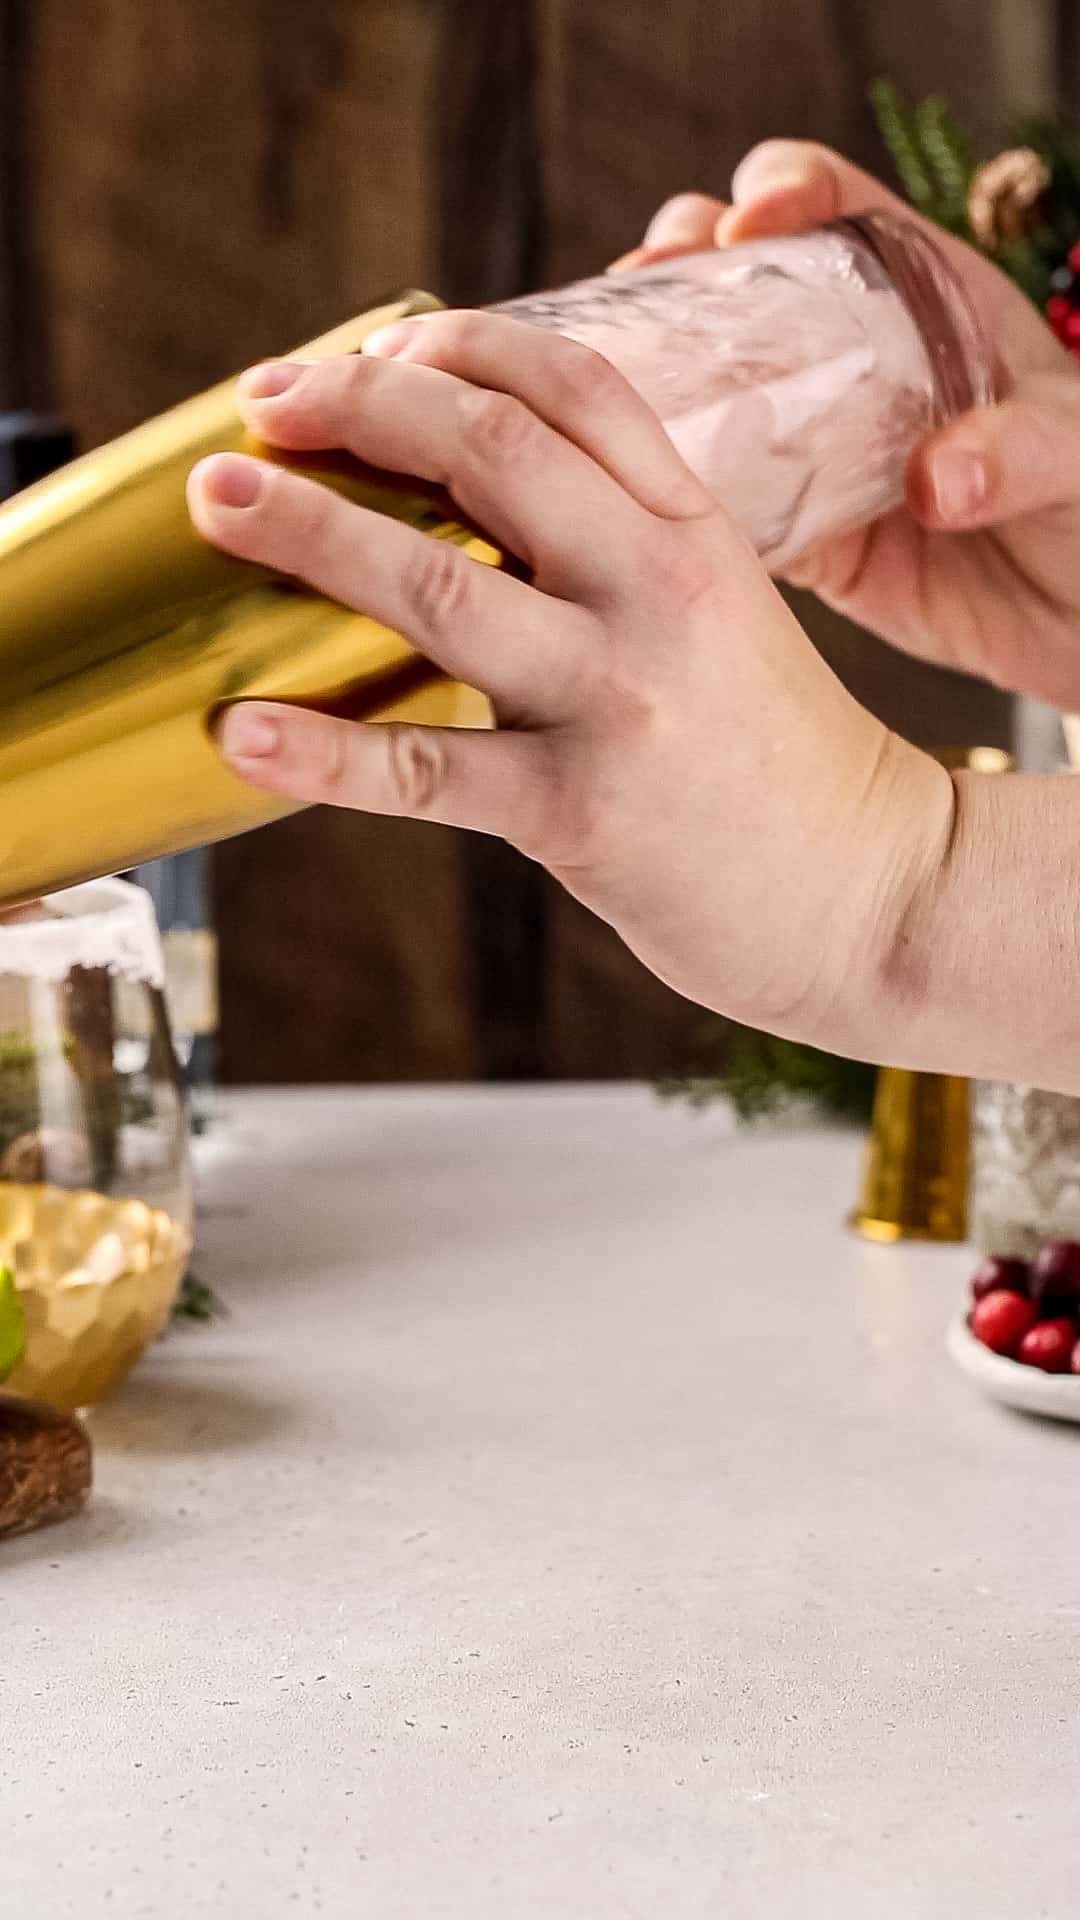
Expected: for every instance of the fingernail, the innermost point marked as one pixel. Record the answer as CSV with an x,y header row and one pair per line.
x,y
232,480
272,379
244,734
385,342
960,484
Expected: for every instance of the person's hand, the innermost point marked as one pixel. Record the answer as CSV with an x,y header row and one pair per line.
x,y
982,569
670,745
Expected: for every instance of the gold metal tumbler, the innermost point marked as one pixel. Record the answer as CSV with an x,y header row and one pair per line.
x,y
122,633
915,1183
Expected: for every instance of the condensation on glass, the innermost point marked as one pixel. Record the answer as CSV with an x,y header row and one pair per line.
x,y
795,375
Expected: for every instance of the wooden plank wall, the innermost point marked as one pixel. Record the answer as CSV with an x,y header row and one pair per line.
x,y
185,189
203,185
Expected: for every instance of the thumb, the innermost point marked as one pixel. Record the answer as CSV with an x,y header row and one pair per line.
x,y
1000,463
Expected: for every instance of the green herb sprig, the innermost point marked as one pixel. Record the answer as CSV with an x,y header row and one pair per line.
x,y
12,1324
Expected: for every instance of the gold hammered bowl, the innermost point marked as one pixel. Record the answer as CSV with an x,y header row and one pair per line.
x,y
96,1277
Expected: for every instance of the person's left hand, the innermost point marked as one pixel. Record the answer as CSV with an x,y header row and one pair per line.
x,y
670,745
980,569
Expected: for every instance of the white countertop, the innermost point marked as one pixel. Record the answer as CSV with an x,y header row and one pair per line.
x,y
572,1520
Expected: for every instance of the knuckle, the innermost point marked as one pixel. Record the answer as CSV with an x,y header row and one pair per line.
x,y
445,337
333,763
1042,443
695,592
681,571
302,515
495,427
318,384
584,381
416,767
320,408
340,383
309,413
438,587
572,833
636,705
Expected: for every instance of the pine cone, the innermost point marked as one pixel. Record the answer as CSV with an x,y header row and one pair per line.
x,y
1006,195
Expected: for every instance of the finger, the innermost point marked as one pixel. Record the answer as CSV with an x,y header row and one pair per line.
x,y
686,221
532,491
785,186
492,783
417,417
655,256
578,393
686,224
478,624
1000,463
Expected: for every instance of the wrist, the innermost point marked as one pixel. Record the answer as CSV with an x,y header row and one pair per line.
x,y
983,976
877,1008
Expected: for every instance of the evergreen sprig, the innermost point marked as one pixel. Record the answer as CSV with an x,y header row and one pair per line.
x,y
936,161
761,1075
932,154
197,1301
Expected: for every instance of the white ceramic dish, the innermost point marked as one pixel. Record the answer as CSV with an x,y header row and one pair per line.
x,y
1054,1395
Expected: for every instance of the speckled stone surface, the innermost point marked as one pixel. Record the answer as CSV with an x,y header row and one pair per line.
x,y
571,1520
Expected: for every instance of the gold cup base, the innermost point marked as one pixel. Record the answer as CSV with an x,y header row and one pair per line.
x,y
886,1233
97,1277
915,1180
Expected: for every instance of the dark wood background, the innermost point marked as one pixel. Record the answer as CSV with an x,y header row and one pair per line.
x,y
185,189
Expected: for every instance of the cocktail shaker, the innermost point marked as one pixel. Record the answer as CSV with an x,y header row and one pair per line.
x,y
122,633
796,375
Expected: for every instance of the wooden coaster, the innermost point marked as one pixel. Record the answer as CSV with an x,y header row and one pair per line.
x,y
45,1464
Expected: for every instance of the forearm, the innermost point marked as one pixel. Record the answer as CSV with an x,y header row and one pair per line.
x,y
983,975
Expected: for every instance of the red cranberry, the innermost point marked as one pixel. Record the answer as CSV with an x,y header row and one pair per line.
x,y
1075,1364
1058,309
1001,1320
1049,1346
1055,1278
997,1272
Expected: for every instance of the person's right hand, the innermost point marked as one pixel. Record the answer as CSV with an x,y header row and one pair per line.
x,y
670,745
981,569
